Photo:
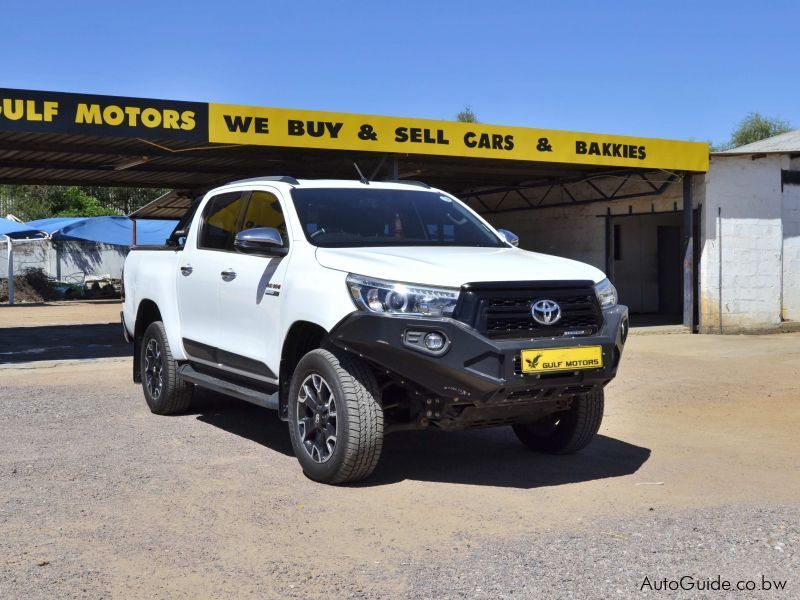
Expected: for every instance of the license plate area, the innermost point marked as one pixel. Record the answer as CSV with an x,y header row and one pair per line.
x,y
553,360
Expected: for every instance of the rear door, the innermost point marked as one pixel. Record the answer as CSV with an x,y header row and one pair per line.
x,y
201,268
250,299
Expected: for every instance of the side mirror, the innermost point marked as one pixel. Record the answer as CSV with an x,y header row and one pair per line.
x,y
260,240
178,237
511,238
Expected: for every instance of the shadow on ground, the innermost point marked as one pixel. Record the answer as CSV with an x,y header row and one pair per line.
x,y
491,457
495,457
251,422
60,342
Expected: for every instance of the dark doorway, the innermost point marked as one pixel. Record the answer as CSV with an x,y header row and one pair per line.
x,y
670,273
645,249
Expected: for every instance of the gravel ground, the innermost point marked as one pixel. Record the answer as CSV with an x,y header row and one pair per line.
x,y
695,473
628,557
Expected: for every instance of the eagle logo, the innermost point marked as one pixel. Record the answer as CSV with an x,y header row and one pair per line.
x,y
533,362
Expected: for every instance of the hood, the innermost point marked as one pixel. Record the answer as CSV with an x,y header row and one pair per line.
x,y
455,266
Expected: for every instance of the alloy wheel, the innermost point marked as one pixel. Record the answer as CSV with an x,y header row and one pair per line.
x,y
316,418
153,368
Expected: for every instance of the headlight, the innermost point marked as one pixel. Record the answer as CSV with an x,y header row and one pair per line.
x,y
606,294
394,298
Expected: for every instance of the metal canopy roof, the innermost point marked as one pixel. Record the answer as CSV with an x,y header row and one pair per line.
x,y
94,160
78,139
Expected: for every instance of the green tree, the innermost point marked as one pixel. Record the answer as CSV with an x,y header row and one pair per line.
x,y
467,115
26,202
76,203
31,202
755,127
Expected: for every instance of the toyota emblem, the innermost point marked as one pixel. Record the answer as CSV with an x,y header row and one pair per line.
x,y
545,312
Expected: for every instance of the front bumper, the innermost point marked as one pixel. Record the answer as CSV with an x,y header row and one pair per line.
x,y
475,367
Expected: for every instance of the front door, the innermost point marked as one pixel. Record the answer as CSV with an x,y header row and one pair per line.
x,y
250,298
200,267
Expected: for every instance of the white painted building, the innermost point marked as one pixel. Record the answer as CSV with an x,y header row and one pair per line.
x,y
746,237
750,264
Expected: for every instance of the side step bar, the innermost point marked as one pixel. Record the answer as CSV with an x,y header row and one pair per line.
x,y
190,375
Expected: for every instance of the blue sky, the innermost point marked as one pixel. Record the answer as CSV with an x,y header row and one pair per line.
x,y
685,70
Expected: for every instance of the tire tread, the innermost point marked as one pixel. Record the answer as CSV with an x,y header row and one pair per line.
x,y
176,395
364,440
589,418
582,420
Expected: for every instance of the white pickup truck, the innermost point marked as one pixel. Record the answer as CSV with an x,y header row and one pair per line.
x,y
358,308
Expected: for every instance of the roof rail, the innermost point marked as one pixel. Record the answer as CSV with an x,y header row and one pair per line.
x,y
283,178
409,182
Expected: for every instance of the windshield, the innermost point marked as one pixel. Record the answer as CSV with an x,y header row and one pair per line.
x,y
348,217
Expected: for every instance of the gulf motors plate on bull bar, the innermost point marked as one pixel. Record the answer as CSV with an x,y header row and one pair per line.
x,y
547,360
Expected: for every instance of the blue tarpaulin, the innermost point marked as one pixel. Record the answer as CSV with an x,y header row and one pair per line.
x,y
18,230
106,230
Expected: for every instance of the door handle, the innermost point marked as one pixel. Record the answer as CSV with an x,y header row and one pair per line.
x,y
186,270
228,275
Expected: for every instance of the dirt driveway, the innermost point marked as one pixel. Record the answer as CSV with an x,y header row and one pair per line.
x,y
696,472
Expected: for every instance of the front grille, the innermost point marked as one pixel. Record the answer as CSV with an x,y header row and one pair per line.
x,y
511,317
503,311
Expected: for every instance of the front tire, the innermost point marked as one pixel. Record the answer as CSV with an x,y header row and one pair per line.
x,y
567,431
335,417
164,392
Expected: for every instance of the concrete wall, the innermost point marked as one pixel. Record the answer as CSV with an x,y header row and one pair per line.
x,y
791,249
741,264
577,232
63,260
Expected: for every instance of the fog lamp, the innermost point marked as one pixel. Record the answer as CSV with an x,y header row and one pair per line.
x,y
434,341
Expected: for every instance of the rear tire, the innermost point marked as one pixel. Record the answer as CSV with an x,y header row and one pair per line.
x,y
567,431
164,392
335,417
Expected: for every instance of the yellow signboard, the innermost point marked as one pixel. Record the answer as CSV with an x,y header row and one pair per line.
x,y
30,111
342,131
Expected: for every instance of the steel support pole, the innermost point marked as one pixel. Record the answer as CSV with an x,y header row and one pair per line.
x,y
10,270
609,246
688,254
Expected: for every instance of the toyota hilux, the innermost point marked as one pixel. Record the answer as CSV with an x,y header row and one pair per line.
x,y
360,308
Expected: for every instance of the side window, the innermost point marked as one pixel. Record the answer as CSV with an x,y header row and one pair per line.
x,y
220,220
264,210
